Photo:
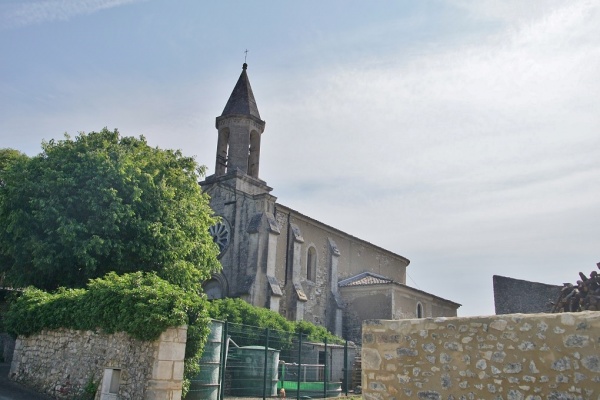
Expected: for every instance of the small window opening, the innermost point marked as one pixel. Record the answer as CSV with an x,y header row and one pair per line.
x,y
111,383
115,382
311,264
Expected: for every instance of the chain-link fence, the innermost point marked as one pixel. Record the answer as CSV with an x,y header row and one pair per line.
x,y
247,361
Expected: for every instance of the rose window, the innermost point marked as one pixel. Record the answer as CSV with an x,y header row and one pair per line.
x,y
220,235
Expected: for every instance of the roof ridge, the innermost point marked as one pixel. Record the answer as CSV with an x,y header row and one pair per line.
x,y
354,280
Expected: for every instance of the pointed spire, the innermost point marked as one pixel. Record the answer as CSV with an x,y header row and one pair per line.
x,y
241,101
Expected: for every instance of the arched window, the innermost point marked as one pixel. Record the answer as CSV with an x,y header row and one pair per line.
x,y
254,154
419,310
311,264
222,152
213,289
216,287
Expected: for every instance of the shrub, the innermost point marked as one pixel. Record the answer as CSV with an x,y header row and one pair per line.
x,y
239,312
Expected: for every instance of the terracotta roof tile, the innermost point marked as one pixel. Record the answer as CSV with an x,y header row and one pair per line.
x,y
365,278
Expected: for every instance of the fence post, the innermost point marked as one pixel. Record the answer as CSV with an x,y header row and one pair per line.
x,y
265,368
346,368
299,364
325,372
224,348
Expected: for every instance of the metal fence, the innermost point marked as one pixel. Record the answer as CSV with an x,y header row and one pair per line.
x,y
247,361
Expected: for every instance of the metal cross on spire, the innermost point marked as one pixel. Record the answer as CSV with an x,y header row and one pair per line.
x,y
246,55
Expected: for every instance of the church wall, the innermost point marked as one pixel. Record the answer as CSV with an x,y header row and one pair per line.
x,y
283,267
407,299
388,301
367,302
221,203
355,256
405,306
241,259
316,290
440,309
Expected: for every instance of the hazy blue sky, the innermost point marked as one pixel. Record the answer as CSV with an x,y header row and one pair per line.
x,y
463,135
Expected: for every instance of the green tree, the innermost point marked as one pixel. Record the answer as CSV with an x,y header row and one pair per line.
x,y
8,156
100,203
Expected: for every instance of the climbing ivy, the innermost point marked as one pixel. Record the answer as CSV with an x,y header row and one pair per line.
x,y
140,304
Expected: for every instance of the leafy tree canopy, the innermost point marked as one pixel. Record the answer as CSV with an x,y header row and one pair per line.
x,y
7,158
99,203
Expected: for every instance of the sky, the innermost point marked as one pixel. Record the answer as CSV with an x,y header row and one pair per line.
x,y
463,135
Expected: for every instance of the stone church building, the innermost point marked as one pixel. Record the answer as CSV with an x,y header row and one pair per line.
x,y
276,257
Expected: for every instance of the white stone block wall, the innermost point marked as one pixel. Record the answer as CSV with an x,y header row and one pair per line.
x,y
62,363
508,357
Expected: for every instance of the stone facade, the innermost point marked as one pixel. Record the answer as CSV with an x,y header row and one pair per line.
x,y
277,258
508,357
62,363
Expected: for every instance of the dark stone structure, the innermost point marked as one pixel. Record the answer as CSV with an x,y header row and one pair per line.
x,y
518,296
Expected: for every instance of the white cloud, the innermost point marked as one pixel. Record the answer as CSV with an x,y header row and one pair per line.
x,y
21,13
480,151
514,95
507,10
472,156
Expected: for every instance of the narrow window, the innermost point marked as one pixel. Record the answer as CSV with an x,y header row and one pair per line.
x,y
254,154
419,310
311,264
222,152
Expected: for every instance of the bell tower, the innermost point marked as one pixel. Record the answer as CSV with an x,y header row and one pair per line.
x,y
240,129
248,233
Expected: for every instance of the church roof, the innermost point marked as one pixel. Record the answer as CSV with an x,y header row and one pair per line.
x,y
370,278
365,278
241,101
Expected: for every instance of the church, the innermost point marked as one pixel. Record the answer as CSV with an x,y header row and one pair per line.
x,y
278,258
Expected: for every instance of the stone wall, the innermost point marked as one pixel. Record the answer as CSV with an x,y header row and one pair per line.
x,y
63,363
509,357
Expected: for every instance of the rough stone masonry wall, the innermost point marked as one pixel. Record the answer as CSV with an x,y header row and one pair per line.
x,y
62,363
508,357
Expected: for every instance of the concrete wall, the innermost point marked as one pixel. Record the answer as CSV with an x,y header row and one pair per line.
x,y
509,357
61,363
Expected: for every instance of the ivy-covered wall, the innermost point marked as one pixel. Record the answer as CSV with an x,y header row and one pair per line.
x,y
68,364
508,357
